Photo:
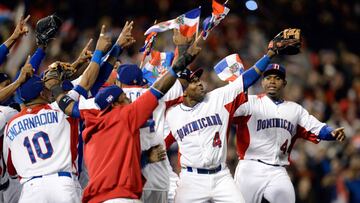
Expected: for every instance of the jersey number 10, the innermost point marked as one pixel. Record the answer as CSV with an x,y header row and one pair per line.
x,y
36,144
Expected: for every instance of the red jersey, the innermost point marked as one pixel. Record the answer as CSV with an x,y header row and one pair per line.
x,y
112,149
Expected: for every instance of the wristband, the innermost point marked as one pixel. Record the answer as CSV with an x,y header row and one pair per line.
x,y
97,56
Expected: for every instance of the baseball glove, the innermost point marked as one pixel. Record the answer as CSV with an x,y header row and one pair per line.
x,y
59,71
46,29
287,42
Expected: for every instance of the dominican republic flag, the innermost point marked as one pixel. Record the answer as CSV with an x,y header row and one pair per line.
x,y
149,43
186,23
229,68
157,66
218,14
148,46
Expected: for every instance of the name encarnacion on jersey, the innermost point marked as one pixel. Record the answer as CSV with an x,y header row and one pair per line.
x,y
275,123
198,124
32,122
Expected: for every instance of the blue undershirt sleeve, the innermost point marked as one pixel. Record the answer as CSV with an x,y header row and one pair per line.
x,y
3,53
251,76
325,133
36,59
75,113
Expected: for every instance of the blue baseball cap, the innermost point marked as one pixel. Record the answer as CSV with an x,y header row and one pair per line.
x,y
4,77
130,74
276,69
190,75
30,89
106,96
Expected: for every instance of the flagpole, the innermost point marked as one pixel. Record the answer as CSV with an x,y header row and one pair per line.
x,y
197,27
144,56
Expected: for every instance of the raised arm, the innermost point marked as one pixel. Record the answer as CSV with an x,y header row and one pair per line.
x,y
287,42
26,72
165,83
91,72
20,30
84,56
124,40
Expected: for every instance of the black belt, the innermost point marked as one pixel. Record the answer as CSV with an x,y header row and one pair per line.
x,y
265,162
5,185
204,170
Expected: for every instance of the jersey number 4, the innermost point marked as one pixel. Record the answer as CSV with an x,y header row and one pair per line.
x,y
217,140
35,142
284,146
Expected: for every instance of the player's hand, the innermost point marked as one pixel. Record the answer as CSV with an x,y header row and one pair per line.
x,y
179,39
125,38
157,153
104,40
194,49
21,28
339,134
85,54
26,71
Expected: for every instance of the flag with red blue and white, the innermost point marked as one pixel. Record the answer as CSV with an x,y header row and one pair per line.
x,y
229,68
187,24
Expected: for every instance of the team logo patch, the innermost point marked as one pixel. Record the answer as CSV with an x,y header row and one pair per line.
x,y
110,98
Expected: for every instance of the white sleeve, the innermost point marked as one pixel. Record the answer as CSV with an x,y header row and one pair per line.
x,y
85,104
6,113
231,91
2,122
309,122
175,92
73,95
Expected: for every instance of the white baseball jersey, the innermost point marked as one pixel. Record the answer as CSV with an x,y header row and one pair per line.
x,y
41,140
152,133
6,113
202,131
267,131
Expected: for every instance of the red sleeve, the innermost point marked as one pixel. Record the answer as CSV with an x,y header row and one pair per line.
x,y
169,140
141,109
10,167
307,135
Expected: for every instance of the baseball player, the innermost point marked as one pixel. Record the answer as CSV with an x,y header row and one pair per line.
x,y
267,128
40,142
9,188
152,132
200,126
112,142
